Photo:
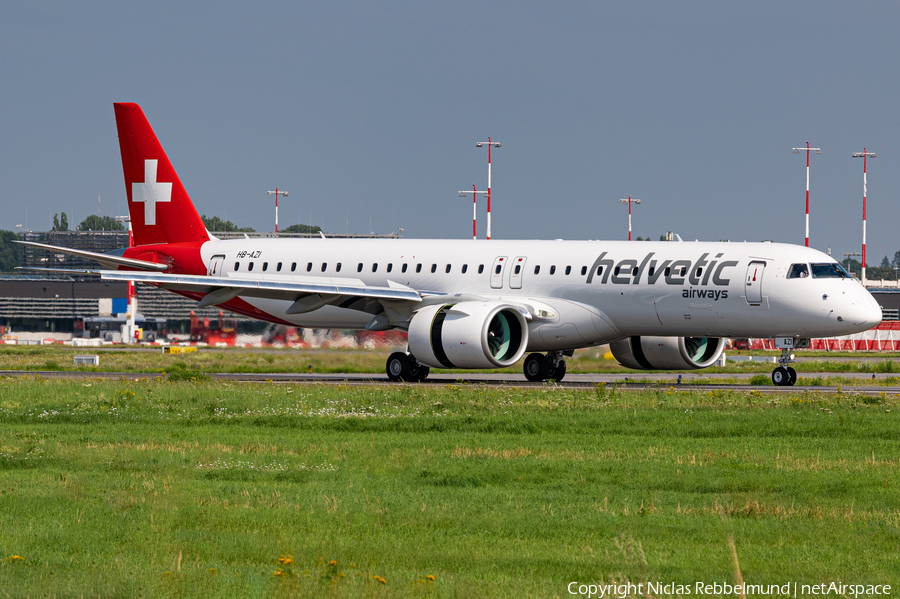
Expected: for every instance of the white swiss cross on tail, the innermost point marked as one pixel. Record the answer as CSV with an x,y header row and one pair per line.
x,y
150,192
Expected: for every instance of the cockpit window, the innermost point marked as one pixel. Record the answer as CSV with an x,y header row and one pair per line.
x,y
829,271
798,271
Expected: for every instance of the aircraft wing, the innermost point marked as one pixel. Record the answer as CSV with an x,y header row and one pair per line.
x,y
307,293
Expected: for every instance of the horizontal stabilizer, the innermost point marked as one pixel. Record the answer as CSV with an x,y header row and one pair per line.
x,y
104,259
70,271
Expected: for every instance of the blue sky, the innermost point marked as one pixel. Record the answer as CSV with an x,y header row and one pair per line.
x,y
369,112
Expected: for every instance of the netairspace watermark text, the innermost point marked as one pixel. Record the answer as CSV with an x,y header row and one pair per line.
x,y
718,589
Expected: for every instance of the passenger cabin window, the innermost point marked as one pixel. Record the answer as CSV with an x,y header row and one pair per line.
x,y
390,266
518,268
465,267
798,271
599,270
403,268
434,268
237,266
668,271
829,271
278,268
337,267
359,267
568,270
293,266
497,270
418,268
537,269
324,266
250,266
634,271
480,268
652,268
553,270
265,266
616,272
375,267
447,270
309,267
583,270
699,271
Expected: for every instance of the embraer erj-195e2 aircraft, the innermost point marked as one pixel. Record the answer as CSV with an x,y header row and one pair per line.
x,y
484,304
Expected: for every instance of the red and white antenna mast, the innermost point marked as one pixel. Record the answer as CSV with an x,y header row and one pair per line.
x,y
474,193
629,201
131,311
864,155
797,151
489,145
275,193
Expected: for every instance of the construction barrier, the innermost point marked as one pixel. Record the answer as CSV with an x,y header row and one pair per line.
x,y
884,337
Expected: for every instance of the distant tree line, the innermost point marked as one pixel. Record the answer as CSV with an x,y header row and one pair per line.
x,y
214,223
98,223
9,251
885,270
302,229
60,224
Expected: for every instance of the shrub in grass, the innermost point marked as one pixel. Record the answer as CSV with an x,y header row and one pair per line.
x,y
180,372
760,379
886,366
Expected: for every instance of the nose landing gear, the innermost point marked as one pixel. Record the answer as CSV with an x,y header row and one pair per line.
x,y
784,375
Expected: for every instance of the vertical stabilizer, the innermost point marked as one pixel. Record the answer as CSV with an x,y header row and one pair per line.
x,y
160,208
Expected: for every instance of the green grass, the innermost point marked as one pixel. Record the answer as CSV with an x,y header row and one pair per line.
x,y
180,489
331,360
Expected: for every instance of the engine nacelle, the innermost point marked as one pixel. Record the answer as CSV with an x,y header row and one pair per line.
x,y
667,353
468,335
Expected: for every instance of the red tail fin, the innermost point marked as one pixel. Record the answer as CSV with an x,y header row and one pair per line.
x,y
160,208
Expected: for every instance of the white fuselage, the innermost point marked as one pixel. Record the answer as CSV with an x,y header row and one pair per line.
x,y
594,291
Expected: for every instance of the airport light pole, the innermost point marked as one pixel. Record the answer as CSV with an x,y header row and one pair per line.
x,y
864,155
275,193
797,151
474,193
629,201
489,145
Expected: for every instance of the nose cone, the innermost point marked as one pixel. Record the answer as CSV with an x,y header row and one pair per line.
x,y
864,312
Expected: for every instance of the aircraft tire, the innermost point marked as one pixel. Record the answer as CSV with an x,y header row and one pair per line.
x,y
781,376
419,374
792,376
398,366
559,372
536,368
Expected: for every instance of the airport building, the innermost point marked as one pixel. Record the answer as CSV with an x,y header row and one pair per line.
x,y
84,305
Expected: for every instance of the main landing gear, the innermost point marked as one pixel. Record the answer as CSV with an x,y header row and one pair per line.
x,y
539,367
404,367
784,375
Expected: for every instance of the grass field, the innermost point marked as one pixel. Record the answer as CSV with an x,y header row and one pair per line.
x,y
240,360
181,489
